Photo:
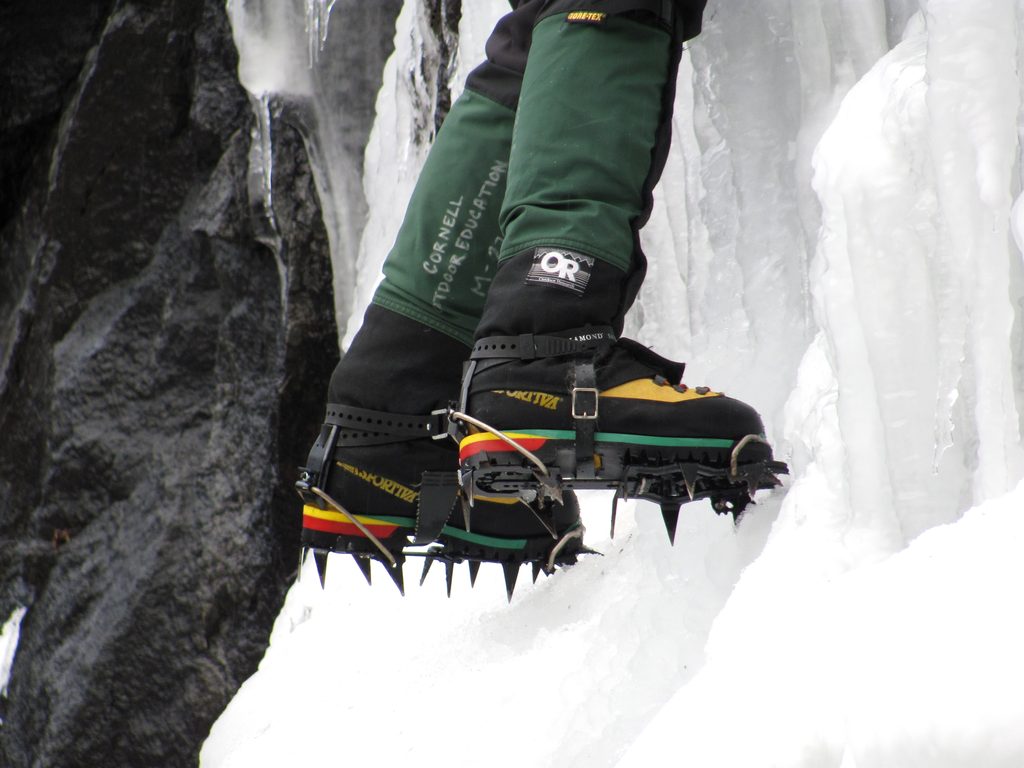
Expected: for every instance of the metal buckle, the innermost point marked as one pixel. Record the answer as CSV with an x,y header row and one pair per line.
x,y
439,427
586,411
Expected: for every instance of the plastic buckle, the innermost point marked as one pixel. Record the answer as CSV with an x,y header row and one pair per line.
x,y
527,347
589,413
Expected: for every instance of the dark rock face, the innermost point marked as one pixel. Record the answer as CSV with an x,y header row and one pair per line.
x,y
162,369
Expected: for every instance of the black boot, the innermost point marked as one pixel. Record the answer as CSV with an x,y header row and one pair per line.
x,y
549,370
383,469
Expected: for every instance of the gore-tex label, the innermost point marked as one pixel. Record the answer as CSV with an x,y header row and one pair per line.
x,y
557,266
586,17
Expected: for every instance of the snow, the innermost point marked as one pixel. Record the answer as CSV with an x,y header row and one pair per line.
x,y
837,241
578,662
911,661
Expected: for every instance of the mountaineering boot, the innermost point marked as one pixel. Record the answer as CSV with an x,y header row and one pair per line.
x,y
597,410
396,474
553,398
383,469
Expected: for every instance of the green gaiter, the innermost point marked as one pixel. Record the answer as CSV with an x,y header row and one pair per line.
x,y
444,258
586,128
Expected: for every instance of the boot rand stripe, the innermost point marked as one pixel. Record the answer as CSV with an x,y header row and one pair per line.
x,y
334,522
479,538
329,521
491,541
484,441
535,438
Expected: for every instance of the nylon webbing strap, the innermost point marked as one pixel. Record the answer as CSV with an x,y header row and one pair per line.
x,y
437,497
584,414
319,462
362,426
528,346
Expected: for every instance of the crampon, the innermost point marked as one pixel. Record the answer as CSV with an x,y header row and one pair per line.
x,y
433,519
394,541
463,517
540,464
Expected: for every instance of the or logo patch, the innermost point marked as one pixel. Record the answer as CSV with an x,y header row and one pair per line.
x,y
556,266
586,17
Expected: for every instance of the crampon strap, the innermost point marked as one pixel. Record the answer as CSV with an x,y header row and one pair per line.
x,y
362,426
438,491
584,345
528,346
347,426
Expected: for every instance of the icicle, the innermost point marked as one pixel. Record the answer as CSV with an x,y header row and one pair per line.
x,y
318,15
264,168
261,188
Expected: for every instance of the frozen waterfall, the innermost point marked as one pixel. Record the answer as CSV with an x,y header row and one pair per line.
x,y
837,240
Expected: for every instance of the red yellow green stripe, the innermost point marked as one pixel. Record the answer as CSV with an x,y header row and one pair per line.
x,y
383,526
330,521
484,441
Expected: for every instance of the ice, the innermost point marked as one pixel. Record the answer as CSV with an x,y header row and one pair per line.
x,y
736,215
8,646
270,38
396,152
318,17
293,75
887,431
836,240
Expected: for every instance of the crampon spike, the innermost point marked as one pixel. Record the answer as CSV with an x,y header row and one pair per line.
x,y
427,562
753,483
670,514
511,574
474,569
690,474
556,494
320,559
615,509
363,563
303,551
537,568
395,572
449,570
